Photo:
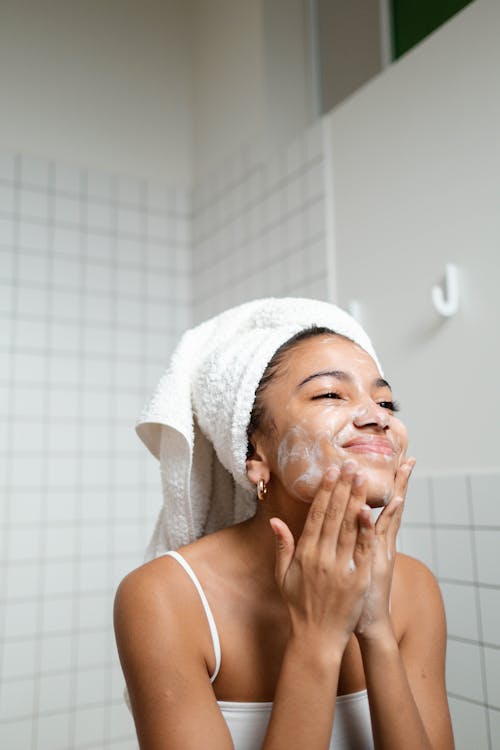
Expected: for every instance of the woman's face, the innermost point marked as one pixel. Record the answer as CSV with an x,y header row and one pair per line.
x,y
329,403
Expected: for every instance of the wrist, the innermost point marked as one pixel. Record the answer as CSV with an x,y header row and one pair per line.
x,y
378,635
318,649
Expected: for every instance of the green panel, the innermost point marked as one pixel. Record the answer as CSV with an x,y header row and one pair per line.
x,y
413,20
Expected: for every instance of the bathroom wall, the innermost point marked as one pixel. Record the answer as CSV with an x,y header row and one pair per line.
x,y
452,523
99,273
104,84
252,80
97,282
415,163
259,227
94,289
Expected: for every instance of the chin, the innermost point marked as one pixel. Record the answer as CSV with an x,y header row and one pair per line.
x,y
379,491
377,502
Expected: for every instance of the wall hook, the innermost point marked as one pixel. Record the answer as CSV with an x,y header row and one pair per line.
x,y
445,299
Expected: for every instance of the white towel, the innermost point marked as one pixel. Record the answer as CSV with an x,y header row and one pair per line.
x,y
196,423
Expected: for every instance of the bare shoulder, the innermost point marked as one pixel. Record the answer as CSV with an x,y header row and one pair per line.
x,y
157,594
167,657
147,611
417,592
413,571
148,588
157,601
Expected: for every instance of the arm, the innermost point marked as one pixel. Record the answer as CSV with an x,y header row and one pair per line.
x,y
323,581
405,681
173,702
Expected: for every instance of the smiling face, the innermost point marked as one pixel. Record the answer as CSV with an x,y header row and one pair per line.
x,y
327,403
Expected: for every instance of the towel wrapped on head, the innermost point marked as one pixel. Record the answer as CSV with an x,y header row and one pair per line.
x,y
196,423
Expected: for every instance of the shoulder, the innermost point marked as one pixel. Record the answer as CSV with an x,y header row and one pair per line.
x,y
145,584
413,571
166,656
159,599
418,593
158,626
159,588
414,576
146,605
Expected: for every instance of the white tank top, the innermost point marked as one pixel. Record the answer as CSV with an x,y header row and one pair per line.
x,y
247,722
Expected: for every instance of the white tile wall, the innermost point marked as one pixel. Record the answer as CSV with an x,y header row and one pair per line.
x,y
95,288
259,228
458,516
470,725
98,277
494,721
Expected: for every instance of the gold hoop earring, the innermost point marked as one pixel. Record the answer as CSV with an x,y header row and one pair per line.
x,y
261,489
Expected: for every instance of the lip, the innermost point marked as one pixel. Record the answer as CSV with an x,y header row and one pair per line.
x,y
370,445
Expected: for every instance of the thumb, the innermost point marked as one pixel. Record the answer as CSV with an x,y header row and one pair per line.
x,y
285,546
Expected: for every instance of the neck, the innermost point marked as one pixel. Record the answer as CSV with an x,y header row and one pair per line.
x,y
276,505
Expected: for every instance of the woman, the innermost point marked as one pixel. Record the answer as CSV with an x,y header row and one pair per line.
x,y
329,638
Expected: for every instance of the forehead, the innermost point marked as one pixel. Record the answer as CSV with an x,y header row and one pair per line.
x,y
327,351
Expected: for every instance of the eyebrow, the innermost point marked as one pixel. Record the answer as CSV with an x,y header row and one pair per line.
x,y
340,375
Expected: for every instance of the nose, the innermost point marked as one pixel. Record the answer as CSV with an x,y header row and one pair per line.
x,y
371,414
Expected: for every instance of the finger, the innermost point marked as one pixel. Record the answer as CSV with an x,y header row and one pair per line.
x,y
402,477
337,514
285,546
363,549
316,515
350,523
394,525
400,485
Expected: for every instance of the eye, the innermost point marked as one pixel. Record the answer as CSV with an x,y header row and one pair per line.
x,y
330,394
391,405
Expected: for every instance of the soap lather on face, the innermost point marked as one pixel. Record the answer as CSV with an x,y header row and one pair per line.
x,y
328,405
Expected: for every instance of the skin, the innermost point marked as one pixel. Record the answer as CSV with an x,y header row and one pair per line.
x,y
300,593
325,414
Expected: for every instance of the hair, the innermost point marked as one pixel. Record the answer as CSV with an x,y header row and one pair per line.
x,y
259,416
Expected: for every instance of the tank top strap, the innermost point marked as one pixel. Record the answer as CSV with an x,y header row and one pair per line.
x,y
206,607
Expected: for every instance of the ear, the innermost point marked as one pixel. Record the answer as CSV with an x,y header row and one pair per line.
x,y
258,465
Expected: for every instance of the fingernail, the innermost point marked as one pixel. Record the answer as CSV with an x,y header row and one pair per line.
x,y
350,466
358,480
332,473
274,530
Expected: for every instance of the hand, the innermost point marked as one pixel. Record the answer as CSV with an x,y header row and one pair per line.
x,y
325,576
374,619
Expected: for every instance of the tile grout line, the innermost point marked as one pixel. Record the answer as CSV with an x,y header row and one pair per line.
x,y
44,484
477,597
432,518
9,424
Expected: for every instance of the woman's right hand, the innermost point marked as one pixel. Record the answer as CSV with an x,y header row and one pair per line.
x,y
324,577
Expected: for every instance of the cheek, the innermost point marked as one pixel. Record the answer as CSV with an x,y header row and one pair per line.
x,y
401,440
302,460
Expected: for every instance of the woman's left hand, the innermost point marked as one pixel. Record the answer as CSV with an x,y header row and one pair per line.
x,y
374,620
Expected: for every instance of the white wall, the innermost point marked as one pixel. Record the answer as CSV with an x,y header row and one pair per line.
x,y
228,80
251,78
95,288
259,230
416,164
351,46
105,84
